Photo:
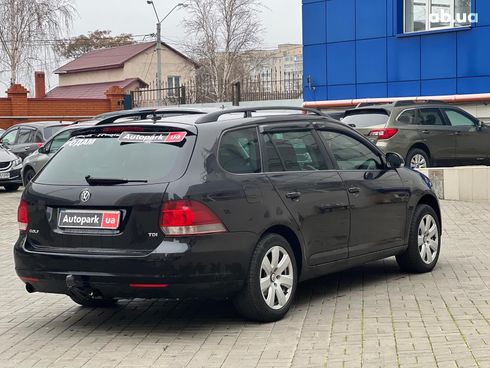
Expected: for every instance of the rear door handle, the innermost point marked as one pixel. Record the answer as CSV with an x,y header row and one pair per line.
x,y
425,132
457,133
354,190
293,195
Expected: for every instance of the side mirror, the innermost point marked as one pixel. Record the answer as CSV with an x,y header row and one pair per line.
x,y
394,160
479,125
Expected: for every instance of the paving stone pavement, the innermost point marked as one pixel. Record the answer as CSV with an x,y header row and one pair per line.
x,y
372,316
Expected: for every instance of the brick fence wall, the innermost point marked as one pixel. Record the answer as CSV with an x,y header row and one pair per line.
x,y
18,108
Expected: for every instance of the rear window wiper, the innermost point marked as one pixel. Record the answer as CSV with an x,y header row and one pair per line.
x,y
110,181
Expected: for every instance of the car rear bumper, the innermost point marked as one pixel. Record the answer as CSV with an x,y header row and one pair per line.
x,y
208,266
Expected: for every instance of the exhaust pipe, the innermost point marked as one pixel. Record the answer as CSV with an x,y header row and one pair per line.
x,y
30,289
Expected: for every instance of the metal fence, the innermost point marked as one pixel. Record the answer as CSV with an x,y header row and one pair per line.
x,y
204,91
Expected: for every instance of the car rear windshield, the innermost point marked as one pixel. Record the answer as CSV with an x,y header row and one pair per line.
x,y
366,118
52,130
107,157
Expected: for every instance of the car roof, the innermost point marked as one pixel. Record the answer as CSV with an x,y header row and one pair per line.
x,y
42,124
400,105
230,118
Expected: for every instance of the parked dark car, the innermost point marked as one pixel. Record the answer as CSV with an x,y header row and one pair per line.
x,y
10,166
36,161
204,206
425,134
23,139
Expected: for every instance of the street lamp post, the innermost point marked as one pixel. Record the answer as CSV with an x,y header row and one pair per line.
x,y
159,44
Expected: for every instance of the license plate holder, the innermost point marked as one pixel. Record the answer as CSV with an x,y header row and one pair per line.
x,y
5,175
89,219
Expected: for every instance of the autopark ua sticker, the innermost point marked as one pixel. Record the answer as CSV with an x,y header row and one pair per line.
x,y
133,137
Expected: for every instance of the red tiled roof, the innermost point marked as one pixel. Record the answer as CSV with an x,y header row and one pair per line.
x,y
92,90
111,58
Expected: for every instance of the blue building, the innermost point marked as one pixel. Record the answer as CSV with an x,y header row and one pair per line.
x,y
395,48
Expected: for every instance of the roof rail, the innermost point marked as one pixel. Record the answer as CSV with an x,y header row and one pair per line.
x,y
247,112
418,102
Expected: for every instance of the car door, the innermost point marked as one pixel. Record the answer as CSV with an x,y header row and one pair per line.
x,y
25,143
297,166
437,135
377,196
472,144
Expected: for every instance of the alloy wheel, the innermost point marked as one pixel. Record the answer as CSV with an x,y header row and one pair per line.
x,y
418,161
276,277
428,239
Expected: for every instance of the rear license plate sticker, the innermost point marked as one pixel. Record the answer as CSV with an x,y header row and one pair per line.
x,y
89,219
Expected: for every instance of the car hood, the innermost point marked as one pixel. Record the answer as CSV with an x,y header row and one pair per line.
x,y
6,155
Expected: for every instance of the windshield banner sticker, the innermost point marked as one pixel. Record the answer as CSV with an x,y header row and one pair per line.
x,y
130,137
76,142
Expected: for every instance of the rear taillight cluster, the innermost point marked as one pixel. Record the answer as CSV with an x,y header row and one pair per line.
x,y
22,216
385,133
188,218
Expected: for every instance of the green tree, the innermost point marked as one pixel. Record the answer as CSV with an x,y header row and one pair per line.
x,y
75,47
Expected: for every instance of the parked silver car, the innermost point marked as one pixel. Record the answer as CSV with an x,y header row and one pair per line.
x,y
36,160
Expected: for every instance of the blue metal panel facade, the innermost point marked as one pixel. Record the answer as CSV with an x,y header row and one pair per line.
x,y
357,49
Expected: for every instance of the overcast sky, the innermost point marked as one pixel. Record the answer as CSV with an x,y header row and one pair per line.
x,y
281,19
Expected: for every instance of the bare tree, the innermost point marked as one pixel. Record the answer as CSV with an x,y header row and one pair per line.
x,y
221,32
28,31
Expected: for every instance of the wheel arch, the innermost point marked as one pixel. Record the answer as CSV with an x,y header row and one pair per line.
x,y
24,170
421,146
292,239
432,201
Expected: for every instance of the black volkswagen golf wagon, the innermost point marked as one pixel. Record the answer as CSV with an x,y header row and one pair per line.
x,y
240,203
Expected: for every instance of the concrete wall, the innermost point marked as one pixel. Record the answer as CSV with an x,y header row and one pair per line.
x,y
470,183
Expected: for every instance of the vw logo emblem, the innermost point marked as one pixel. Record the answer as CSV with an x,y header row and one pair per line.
x,y
85,195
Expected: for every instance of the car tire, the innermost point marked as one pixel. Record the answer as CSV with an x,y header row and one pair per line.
x,y
268,294
86,301
11,187
424,242
419,157
28,175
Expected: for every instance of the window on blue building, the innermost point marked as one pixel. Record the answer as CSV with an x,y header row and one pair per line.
x,y
428,15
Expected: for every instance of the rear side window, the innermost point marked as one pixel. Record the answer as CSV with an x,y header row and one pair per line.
x,y
293,151
408,117
431,117
26,136
366,118
106,157
52,130
239,151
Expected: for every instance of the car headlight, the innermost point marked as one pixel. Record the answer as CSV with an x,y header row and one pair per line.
x,y
17,162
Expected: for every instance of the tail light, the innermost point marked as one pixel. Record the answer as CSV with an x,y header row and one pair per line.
x,y
187,218
22,216
39,145
385,133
